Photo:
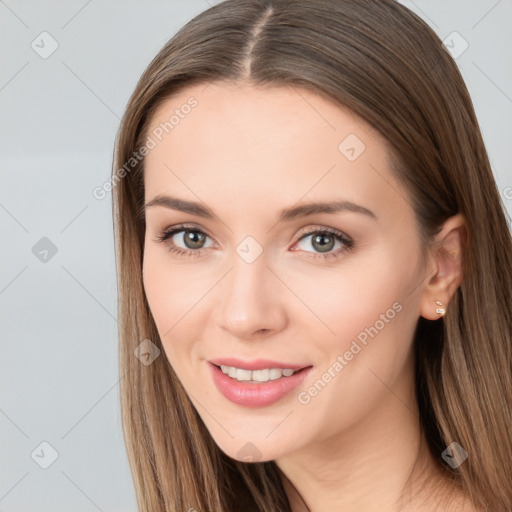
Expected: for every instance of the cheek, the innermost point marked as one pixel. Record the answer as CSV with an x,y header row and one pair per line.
x,y
156,286
380,318
351,297
369,315
164,293
177,297
374,326
170,289
167,295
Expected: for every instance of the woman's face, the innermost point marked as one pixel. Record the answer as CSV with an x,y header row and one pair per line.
x,y
247,281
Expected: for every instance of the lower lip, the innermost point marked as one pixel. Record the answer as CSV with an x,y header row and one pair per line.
x,y
256,395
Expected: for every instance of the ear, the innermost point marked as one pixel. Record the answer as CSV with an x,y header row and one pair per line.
x,y
444,267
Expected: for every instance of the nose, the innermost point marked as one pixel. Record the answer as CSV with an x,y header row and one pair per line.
x,y
251,300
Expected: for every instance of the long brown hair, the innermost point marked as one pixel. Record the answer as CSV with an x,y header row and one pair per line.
x,y
383,62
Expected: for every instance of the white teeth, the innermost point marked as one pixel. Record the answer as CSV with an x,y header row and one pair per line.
x,y
261,375
256,375
242,374
275,373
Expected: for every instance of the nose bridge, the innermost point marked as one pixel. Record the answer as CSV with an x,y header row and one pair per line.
x,y
249,301
248,280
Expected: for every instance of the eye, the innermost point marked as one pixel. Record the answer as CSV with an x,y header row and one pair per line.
x,y
191,238
323,241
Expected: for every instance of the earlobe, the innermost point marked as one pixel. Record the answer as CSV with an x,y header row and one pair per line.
x,y
445,268
434,310
440,311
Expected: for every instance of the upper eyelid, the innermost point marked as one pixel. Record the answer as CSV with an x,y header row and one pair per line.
x,y
310,230
302,231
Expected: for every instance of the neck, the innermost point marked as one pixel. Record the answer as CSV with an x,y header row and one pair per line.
x,y
382,463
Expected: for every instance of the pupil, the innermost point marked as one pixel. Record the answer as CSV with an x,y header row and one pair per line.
x,y
193,239
321,239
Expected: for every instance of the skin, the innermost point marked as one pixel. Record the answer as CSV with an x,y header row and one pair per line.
x,y
246,153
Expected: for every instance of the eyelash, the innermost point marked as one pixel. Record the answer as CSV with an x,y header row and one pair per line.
x,y
348,243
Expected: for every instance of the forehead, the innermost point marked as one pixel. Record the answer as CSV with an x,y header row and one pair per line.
x,y
237,141
259,118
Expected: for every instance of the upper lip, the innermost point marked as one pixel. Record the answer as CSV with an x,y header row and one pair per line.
x,y
256,364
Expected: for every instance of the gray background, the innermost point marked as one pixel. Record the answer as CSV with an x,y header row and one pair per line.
x,y
59,369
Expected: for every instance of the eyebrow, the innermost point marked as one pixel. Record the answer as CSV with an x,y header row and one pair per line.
x,y
286,214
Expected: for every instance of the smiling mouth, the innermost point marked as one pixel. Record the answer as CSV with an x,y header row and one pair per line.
x,y
258,376
255,388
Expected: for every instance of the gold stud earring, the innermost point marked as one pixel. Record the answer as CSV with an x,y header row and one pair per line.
x,y
440,311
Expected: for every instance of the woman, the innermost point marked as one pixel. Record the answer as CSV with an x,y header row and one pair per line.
x,y
314,269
